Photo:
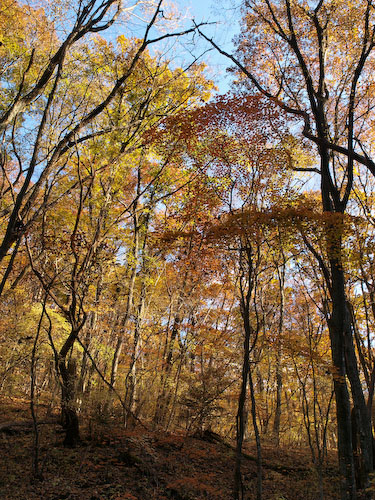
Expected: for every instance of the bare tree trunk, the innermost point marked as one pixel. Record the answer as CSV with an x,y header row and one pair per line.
x,y
257,438
344,429
131,377
91,328
240,419
164,396
362,419
279,375
35,459
279,388
129,300
67,370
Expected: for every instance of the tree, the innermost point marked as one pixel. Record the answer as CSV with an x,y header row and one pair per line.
x,y
315,63
61,117
248,152
79,197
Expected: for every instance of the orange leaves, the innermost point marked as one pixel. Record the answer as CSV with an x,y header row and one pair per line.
x,y
248,119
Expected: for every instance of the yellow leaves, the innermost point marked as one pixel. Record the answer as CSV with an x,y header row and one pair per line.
x,y
298,154
23,29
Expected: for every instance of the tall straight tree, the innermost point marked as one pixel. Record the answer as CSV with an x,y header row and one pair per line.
x,y
314,59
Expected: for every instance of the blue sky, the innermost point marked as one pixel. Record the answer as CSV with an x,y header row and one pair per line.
x,y
224,19
226,25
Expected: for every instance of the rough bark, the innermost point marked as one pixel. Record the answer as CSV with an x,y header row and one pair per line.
x,y
67,370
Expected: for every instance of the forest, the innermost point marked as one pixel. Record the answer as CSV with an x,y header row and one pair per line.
x,y
187,275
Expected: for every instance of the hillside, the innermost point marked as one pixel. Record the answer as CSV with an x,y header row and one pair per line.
x,y
117,464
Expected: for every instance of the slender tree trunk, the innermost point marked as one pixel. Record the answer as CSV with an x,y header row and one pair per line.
x,y
241,419
173,399
279,388
33,383
279,374
247,283
257,438
165,395
131,377
129,300
92,320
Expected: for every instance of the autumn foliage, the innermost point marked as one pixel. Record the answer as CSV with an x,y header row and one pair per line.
x,y
179,267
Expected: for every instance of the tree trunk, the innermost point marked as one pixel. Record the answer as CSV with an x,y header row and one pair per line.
x,y
336,322
279,387
257,438
129,303
91,322
279,377
131,377
241,418
165,395
337,337
69,415
362,420
133,274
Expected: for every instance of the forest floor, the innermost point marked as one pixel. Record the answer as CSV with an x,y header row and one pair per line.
x,y
117,464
